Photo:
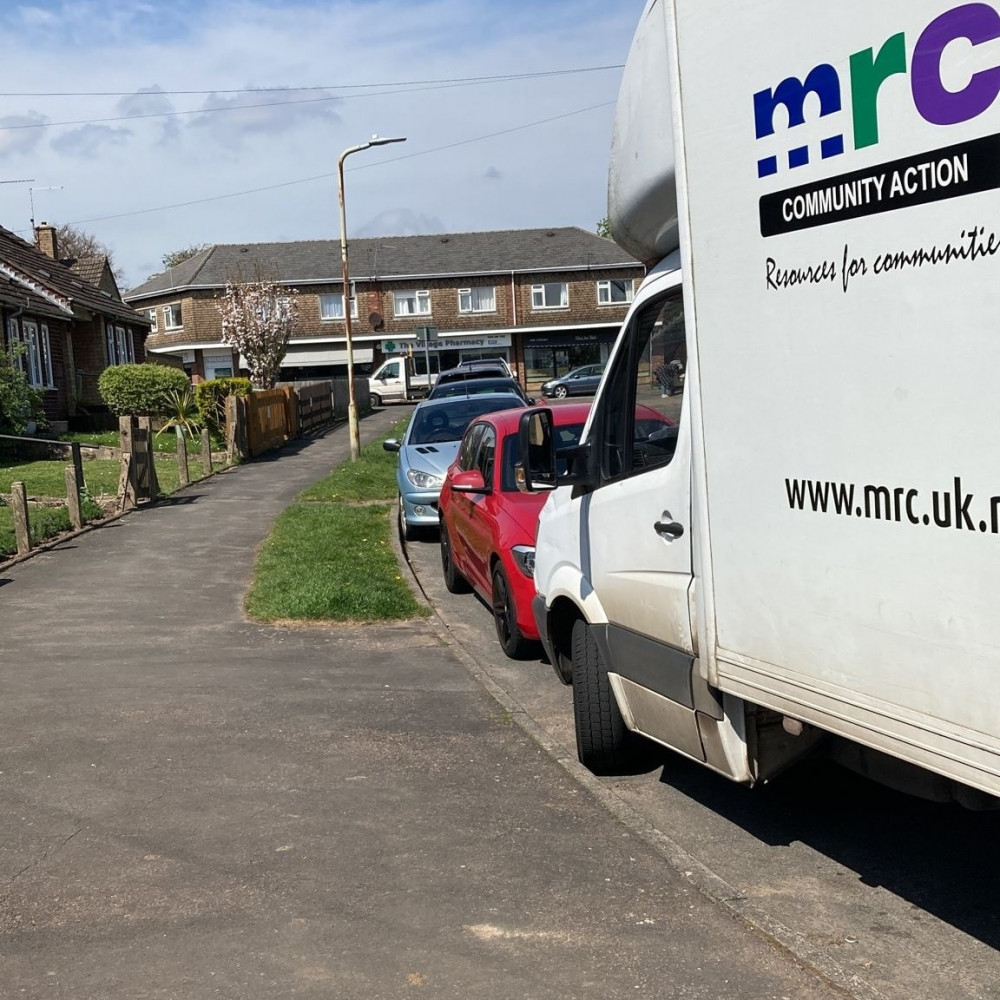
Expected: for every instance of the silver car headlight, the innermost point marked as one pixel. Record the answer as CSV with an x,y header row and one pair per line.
x,y
422,480
524,557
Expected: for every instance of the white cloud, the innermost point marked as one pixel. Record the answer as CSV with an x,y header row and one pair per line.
x,y
399,222
146,52
90,141
231,120
18,134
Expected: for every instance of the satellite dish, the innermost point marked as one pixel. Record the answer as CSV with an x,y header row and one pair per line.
x,y
376,321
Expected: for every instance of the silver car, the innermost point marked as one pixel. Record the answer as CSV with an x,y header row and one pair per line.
x,y
429,446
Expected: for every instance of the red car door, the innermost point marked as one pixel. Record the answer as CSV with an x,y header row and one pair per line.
x,y
457,515
480,521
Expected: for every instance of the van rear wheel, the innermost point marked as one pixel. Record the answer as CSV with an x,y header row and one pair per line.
x,y
604,743
374,400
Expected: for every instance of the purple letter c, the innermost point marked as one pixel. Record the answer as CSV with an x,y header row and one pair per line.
x,y
978,22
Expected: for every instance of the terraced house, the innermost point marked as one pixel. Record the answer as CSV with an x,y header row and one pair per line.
x,y
71,319
546,300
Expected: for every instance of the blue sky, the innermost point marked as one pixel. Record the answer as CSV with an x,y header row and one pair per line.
x,y
95,121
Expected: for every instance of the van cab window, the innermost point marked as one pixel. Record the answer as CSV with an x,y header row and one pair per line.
x,y
641,401
390,370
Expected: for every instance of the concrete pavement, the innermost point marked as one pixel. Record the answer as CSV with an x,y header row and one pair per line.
x,y
196,806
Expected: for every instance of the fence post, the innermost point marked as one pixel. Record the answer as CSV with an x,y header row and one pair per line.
x,y
78,463
291,411
236,429
206,451
126,483
73,486
146,423
22,526
183,476
127,479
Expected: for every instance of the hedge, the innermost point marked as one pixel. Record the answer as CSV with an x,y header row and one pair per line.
x,y
139,389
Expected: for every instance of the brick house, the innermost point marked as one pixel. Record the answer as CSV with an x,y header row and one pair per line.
x,y
70,317
546,300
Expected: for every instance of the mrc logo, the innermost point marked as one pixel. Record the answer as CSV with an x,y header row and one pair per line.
x,y
976,23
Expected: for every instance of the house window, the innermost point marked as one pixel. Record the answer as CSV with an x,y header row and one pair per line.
x,y
172,318
14,339
123,340
411,303
616,291
552,295
331,307
39,357
151,315
481,299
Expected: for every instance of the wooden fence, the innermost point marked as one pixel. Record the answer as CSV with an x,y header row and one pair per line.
x,y
272,418
315,405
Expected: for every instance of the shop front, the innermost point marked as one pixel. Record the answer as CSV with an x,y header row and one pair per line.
x,y
448,351
549,355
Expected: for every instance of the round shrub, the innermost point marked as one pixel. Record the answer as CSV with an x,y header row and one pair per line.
x,y
139,389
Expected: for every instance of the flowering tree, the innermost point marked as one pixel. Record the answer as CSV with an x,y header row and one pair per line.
x,y
258,319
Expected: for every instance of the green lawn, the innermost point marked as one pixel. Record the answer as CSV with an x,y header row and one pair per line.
x,y
48,479
164,442
330,558
43,521
371,477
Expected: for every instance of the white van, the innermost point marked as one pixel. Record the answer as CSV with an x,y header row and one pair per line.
x,y
394,381
807,561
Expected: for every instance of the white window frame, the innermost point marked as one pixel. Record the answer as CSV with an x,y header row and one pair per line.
x,y
470,299
168,316
334,300
35,337
14,337
538,295
421,300
151,316
604,297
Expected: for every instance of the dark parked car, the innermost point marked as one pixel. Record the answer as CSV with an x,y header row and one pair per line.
x,y
477,386
482,369
478,364
582,381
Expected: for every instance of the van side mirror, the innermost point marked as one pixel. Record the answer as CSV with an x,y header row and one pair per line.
x,y
536,472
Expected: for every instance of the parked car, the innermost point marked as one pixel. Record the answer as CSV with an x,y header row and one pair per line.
x,y
482,369
479,364
427,449
582,381
477,386
488,526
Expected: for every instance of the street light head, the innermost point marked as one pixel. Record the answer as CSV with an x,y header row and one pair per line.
x,y
376,141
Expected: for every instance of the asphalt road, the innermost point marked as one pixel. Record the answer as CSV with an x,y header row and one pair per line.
x,y
898,895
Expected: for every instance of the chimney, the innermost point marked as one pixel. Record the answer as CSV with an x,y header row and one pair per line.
x,y
45,240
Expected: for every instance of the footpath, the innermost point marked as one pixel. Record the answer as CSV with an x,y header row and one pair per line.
x,y
195,806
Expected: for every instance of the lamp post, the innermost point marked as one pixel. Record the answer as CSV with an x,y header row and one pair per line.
x,y
352,406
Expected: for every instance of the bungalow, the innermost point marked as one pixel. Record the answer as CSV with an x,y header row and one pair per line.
x,y
70,317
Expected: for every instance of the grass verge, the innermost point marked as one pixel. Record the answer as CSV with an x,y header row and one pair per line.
x,y
329,557
371,477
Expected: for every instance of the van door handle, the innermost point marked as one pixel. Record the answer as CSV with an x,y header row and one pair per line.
x,y
668,529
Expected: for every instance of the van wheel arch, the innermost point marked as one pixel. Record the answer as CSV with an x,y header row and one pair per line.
x,y
563,615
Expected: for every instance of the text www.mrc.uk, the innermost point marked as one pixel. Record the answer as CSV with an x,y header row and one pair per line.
x,y
951,508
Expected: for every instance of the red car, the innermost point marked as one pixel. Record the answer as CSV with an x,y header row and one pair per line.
x,y
488,528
